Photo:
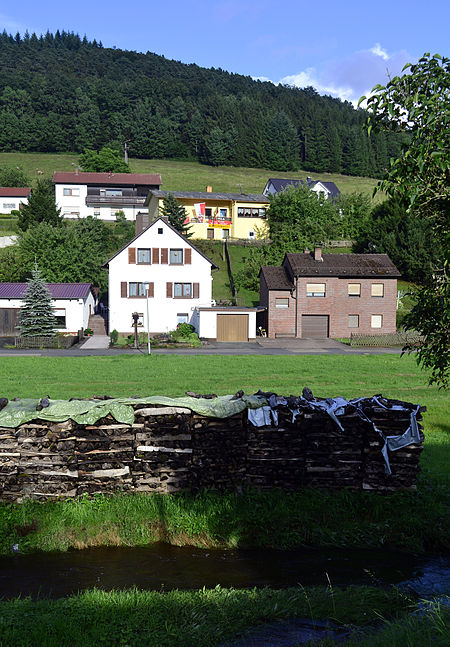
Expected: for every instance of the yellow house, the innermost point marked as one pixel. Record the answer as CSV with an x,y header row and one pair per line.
x,y
214,216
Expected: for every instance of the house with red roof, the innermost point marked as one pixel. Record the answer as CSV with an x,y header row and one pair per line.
x,y
12,198
73,304
102,195
329,295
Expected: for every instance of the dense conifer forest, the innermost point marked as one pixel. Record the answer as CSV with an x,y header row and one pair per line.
x,y
60,92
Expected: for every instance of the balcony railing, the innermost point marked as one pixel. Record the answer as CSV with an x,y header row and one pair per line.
x,y
115,200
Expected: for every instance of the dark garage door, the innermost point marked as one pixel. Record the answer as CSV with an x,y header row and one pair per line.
x,y
9,318
315,325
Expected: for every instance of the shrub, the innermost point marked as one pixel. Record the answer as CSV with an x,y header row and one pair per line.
x,y
114,336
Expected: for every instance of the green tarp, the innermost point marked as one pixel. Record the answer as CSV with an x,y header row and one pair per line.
x,y
87,412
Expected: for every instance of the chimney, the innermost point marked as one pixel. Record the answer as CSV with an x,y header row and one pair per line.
x,y
209,189
76,171
318,253
142,222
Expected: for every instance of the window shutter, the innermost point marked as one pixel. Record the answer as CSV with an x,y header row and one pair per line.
x,y
196,291
151,290
155,255
187,256
132,255
169,290
164,255
123,290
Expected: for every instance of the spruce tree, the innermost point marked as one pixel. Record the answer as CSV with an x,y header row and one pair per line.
x,y
41,207
176,214
36,314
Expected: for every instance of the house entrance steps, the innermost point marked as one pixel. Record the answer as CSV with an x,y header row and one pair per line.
x,y
96,342
97,325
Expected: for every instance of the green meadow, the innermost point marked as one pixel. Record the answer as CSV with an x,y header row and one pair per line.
x,y
187,176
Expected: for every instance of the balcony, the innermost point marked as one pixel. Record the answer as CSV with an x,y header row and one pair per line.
x,y
115,200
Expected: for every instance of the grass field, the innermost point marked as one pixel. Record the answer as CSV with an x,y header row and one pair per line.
x,y
186,175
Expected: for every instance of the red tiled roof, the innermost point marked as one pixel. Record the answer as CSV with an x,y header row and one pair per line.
x,y
57,290
60,177
15,191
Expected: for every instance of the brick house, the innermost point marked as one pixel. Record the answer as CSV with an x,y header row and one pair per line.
x,y
329,295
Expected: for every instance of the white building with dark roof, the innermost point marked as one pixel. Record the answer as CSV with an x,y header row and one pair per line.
x,y
326,190
73,303
103,195
12,198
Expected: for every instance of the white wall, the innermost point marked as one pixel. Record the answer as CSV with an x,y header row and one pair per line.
x,y
162,310
77,310
76,204
10,204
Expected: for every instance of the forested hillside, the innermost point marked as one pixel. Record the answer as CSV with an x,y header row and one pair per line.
x,y
62,93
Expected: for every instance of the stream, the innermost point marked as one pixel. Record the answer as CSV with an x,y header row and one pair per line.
x,y
162,567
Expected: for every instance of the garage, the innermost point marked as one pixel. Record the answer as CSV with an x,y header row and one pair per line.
x,y
232,327
316,326
9,319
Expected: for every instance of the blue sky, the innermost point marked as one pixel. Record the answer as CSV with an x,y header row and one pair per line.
x,y
341,48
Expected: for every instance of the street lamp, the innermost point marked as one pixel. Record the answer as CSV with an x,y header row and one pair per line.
x,y
149,350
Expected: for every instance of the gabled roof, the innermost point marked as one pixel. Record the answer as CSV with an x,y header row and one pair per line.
x,y
57,290
279,184
14,191
276,277
362,265
186,240
208,195
115,179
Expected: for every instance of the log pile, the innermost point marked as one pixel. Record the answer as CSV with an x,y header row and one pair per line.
x,y
162,449
169,449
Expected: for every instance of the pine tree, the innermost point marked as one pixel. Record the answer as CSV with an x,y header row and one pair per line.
x,y
36,314
176,214
41,207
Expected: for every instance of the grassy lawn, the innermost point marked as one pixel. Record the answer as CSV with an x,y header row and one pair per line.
x,y
186,175
204,618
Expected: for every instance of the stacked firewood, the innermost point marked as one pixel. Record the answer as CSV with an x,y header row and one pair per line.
x,y
162,449
9,463
219,452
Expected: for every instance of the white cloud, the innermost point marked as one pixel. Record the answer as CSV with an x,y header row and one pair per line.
x,y
353,76
262,78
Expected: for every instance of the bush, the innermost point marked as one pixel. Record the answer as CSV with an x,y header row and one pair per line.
x,y
114,336
184,330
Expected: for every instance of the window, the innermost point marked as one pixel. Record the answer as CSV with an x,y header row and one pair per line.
x,y
160,230
9,205
315,289
223,214
182,290
251,234
377,290
137,290
376,321
208,213
115,211
210,234
60,315
354,290
143,256
96,213
71,214
182,317
225,233
353,321
110,193
251,212
68,191
282,302
176,257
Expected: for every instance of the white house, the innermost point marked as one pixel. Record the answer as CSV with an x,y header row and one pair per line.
x,y
163,263
103,195
12,198
327,190
73,303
